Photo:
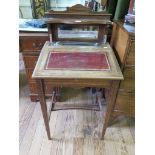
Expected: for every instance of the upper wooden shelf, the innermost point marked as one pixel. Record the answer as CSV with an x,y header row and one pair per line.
x,y
75,21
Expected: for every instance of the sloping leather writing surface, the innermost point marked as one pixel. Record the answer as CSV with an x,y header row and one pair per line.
x,y
78,61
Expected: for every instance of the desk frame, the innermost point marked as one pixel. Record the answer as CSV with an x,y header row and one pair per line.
x,y
99,79
110,104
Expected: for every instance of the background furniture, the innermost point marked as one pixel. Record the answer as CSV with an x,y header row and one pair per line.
x,y
123,43
31,44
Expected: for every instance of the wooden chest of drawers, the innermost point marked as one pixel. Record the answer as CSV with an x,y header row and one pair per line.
x,y
123,43
30,46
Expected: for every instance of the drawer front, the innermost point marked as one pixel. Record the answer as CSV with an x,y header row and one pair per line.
x,y
30,61
125,103
33,88
29,75
127,84
129,73
131,55
33,43
79,83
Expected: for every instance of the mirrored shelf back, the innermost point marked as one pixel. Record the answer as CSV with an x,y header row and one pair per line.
x,y
78,23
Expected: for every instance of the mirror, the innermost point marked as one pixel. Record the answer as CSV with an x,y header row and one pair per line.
x,y
77,32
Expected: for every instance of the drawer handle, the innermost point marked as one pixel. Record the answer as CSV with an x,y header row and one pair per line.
x,y
37,45
40,44
35,62
34,44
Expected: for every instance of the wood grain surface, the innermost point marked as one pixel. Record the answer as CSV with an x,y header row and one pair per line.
x,y
72,130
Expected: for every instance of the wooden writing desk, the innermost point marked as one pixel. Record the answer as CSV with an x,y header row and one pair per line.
x,y
77,66
77,62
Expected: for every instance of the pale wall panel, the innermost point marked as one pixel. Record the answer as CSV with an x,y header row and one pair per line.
x,y
25,9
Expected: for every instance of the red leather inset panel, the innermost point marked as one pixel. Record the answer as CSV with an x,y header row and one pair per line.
x,y
78,61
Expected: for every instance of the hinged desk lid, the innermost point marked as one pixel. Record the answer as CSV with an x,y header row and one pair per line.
x,y
80,62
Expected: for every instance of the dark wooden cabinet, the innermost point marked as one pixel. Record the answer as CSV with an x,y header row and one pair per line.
x,y
31,44
123,43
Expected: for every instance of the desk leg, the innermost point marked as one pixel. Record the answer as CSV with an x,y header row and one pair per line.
x,y
110,105
41,94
